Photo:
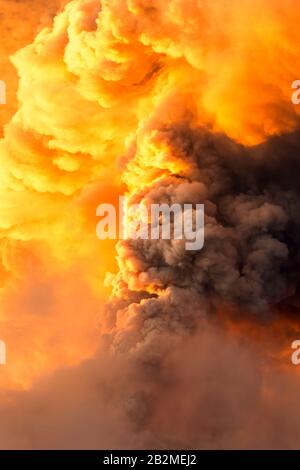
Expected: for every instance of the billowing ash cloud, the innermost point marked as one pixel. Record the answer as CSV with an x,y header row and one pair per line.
x,y
251,253
164,295
166,103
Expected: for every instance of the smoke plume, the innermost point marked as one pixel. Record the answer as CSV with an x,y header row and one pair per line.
x,y
171,101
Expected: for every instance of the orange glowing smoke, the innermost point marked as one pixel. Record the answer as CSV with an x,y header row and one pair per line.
x,y
96,87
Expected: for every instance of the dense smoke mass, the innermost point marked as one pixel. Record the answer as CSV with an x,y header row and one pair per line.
x,y
176,102
251,254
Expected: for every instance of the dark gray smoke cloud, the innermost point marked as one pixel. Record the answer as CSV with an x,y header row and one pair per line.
x,y
252,205
250,259
251,254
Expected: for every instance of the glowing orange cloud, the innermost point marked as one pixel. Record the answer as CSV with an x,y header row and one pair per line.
x,y
95,89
